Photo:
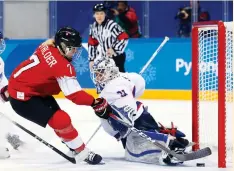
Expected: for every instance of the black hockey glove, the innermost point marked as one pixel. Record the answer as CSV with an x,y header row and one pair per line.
x,y
101,108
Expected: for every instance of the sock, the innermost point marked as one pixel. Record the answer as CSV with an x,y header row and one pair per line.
x,y
61,123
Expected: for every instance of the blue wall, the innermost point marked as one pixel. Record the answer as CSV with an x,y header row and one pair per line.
x,y
161,14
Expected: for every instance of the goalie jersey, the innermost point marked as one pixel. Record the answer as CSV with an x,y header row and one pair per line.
x,y
122,91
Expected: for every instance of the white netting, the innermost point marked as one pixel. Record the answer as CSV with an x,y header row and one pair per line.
x,y
229,91
208,86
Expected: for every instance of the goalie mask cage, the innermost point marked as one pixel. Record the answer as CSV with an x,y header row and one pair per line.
x,y
212,88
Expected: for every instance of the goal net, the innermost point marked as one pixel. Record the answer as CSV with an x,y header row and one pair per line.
x,y
212,88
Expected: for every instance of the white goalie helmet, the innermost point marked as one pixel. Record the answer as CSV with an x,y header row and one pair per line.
x,y
104,70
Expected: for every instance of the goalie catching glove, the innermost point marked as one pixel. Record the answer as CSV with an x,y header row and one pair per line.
x,y
101,108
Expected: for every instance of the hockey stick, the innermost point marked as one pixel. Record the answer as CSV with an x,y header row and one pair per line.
x,y
141,72
71,159
96,130
182,157
154,54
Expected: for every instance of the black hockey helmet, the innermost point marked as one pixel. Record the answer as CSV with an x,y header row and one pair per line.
x,y
99,7
68,40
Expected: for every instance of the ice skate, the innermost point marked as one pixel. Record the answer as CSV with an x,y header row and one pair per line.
x,y
87,156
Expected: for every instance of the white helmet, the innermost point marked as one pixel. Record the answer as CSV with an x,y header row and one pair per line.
x,y
104,70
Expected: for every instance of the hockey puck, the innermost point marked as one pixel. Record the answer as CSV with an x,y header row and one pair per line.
x,y
200,164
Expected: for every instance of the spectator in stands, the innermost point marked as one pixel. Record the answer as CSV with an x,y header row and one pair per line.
x,y
109,6
126,17
184,16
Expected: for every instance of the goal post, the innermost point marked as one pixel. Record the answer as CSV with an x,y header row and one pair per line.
x,y
212,87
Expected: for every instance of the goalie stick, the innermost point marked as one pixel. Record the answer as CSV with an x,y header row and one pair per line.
x,y
141,72
182,157
70,159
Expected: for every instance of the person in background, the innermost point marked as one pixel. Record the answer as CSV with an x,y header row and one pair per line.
x,y
126,17
203,14
111,38
184,16
109,5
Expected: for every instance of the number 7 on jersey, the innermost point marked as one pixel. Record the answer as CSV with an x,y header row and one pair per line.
x,y
35,61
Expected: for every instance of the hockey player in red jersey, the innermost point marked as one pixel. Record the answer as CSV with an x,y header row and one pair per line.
x,y
47,72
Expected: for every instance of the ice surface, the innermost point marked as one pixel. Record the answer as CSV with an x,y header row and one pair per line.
x,y
35,156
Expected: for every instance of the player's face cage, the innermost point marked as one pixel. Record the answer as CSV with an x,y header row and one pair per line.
x,y
99,75
73,53
102,76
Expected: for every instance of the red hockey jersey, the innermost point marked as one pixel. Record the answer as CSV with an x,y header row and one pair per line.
x,y
46,73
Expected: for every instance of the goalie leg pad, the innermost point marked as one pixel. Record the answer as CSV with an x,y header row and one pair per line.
x,y
140,150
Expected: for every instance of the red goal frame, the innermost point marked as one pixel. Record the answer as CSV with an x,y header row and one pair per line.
x,y
221,88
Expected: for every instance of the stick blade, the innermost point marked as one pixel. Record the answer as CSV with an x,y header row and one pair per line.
x,y
195,155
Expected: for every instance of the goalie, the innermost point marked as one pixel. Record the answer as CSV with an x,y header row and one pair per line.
x,y
121,90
